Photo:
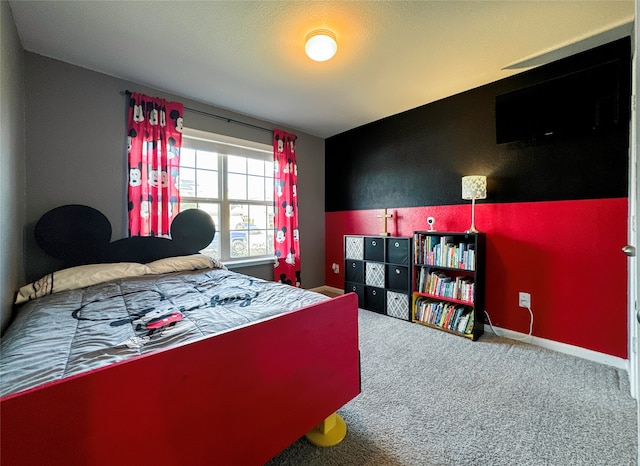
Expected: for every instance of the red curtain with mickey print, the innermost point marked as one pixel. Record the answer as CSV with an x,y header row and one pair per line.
x,y
285,177
154,141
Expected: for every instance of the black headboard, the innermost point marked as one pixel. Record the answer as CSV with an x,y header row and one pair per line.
x,y
79,234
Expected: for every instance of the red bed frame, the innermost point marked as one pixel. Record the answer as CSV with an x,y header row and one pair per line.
x,y
239,397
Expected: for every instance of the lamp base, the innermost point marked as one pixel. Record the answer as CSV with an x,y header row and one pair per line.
x,y
472,228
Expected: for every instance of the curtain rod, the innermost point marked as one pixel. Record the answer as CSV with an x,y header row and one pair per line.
x,y
220,117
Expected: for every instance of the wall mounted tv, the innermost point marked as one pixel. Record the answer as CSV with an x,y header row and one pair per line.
x,y
591,100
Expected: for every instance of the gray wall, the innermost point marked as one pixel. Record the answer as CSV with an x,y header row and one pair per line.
x,y
76,153
12,166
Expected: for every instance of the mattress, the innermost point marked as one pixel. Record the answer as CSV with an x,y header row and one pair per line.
x,y
71,331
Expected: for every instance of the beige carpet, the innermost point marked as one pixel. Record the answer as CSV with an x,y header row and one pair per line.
x,y
431,398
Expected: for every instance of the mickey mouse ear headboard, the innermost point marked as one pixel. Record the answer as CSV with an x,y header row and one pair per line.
x,y
79,234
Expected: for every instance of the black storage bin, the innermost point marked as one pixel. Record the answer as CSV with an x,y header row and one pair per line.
x,y
354,271
398,251
374,249
374,299
357,288
398,278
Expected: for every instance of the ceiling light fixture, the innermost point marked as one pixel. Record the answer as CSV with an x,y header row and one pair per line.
x,y
321,45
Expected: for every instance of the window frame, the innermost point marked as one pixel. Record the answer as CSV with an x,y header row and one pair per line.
x,y
225,146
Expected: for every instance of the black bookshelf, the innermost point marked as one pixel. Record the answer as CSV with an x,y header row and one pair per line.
x,y
448,282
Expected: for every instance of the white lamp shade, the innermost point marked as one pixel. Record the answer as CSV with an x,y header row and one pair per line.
x,y
474,187
321,45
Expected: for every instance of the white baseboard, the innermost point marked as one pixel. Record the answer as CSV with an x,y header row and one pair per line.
x,y
561,347
542,342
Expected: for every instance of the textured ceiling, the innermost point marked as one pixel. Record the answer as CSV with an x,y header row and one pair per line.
x,y
248,56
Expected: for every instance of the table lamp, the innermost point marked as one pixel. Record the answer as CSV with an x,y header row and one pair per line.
x,y
474,187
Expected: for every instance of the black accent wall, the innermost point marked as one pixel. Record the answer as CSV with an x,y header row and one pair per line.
x,y
416,158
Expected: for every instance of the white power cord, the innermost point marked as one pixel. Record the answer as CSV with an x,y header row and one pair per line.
x,y
513,338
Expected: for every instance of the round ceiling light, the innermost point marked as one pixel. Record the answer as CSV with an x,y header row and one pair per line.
x,y
321,45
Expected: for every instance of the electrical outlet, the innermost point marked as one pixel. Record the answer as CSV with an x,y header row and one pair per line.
x,y
524,299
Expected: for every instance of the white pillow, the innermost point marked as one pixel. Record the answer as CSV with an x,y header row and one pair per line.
x,y
79,277
180,263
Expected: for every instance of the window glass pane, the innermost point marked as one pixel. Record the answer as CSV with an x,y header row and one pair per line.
x,y
207,183
214,210
258,216
187,182
250,242
239,245
239,216
236,164
208,160
268,171
256,188
268,189
237,188
255,167
187,157
270,245
257,242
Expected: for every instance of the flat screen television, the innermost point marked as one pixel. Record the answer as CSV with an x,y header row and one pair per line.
x,y
590,100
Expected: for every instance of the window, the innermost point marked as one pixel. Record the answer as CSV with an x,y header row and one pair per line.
x,y
232,180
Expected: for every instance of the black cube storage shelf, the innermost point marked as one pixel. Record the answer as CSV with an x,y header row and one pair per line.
x,y
378,270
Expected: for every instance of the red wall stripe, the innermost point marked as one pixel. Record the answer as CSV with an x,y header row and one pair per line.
x,y
566,254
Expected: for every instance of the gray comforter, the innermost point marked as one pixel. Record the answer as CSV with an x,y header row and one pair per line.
x,y
74,331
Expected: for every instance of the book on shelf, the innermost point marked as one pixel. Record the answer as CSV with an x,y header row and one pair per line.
x,y
424,244
443,251
462,322
439,283
450,316
467,325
